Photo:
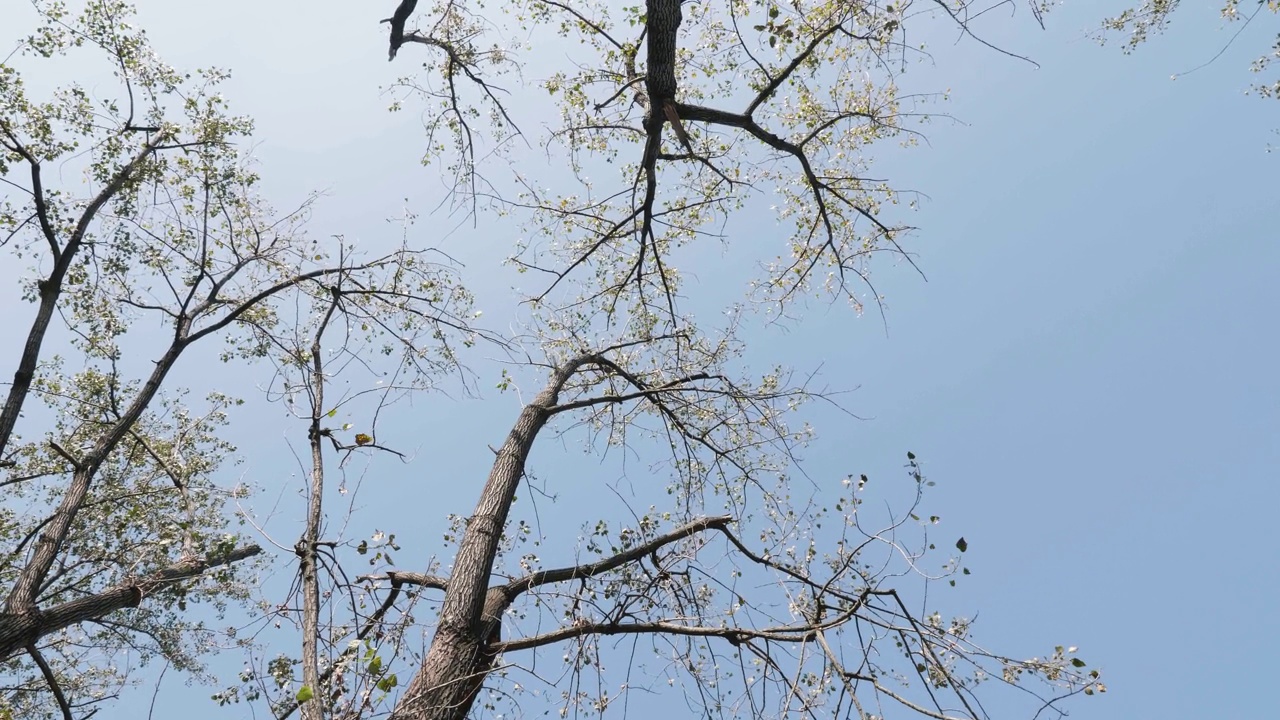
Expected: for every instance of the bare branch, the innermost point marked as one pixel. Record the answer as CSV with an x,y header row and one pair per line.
x,y
51,286
577,572
51,680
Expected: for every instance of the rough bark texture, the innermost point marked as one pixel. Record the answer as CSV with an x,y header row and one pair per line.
x,y
660,73
456,664
662,27
470,619
663,22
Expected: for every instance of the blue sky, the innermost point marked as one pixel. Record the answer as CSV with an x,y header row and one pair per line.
x,y
1088,372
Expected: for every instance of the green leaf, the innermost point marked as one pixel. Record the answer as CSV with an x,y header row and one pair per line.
x,y
961,545
1077,662
304,694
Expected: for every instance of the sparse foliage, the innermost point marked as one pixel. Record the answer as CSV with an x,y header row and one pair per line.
x,y
117,514
1153,16
732,580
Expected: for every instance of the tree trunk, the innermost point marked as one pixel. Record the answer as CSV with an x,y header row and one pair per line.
x,y
459,659
663,21
455,667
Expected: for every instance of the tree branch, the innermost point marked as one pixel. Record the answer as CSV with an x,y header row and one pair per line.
x,y
17,630
51,680
51,286
398,577
576,572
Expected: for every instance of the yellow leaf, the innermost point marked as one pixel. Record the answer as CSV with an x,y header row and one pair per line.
x,y
362,439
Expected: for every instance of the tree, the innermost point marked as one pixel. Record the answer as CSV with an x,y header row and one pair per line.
x,y
114,521
1153,16
755,597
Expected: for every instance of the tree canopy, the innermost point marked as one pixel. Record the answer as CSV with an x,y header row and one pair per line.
x,y
1139,23
728,577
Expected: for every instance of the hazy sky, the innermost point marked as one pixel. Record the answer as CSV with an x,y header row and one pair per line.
x,y
1088,372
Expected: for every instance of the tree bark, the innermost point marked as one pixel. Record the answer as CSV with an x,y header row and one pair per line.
x,y
460,658
663,22
306,547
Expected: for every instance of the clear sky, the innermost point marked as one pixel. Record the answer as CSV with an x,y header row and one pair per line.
x,y
1088,372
